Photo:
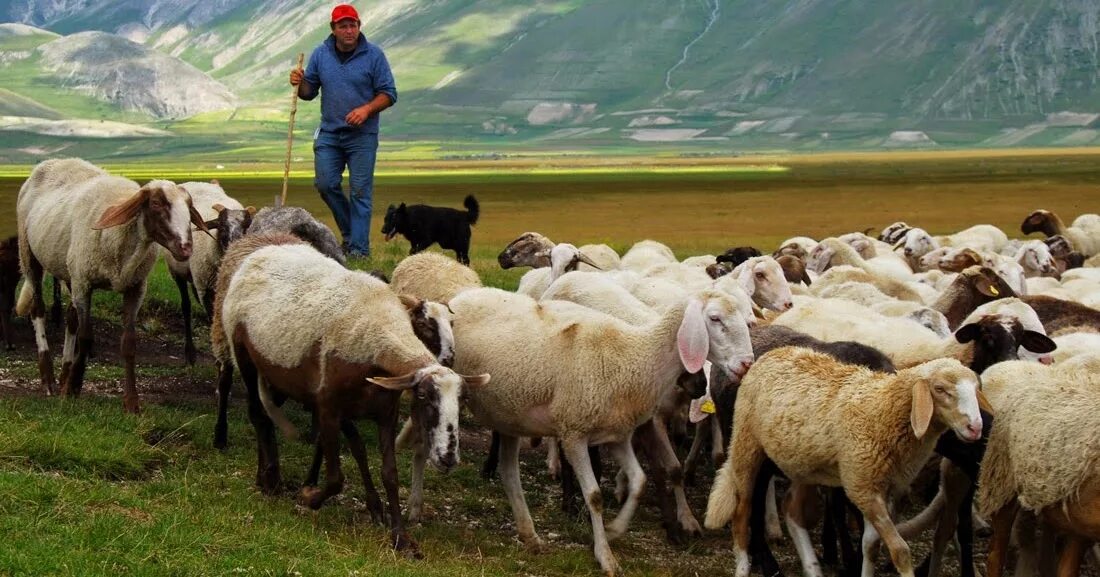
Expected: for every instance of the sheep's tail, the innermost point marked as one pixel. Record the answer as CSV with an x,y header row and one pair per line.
x,y
407,436
276,412
473,209
26,297
723,498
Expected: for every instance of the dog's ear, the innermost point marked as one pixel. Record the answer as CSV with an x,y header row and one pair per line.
x,y
402,207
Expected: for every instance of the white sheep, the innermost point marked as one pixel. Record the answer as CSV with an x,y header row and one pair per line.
x,y
303,325
585,378
762,279
646,253
91,230
823,422
832,252
228,220
907,291
432,276
915,243
980,237
563,257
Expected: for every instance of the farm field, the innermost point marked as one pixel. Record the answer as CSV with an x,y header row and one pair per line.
x,y
87,490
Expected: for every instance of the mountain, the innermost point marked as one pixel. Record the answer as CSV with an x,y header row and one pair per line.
x,y
707,75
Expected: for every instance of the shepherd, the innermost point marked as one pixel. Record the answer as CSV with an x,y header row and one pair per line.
x,y
356,85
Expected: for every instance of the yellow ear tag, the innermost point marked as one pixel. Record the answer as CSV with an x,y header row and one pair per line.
x,y
994,290
707,407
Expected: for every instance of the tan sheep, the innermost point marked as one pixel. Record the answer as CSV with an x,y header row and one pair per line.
x,y
1043,455
433,277
823,422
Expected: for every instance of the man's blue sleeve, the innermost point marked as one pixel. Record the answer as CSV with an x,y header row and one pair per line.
x,y
383,78
312,75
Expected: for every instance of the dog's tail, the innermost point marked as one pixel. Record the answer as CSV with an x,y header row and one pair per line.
x,y
473,209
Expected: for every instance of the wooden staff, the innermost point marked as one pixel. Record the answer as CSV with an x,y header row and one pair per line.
x,y
290,133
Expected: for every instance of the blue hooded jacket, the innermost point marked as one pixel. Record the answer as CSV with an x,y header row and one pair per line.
x,y
348,85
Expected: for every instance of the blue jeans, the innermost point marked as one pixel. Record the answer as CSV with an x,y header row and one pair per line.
x,y
332,151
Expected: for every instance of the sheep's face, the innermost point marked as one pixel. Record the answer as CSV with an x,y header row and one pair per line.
x,y
732,287
931,261
530,249
1035,256
1059,245
438,392
565,257
431,322
763,279
917,243
713,330
231,224
166,215
860,243
949,393
821,257
892,233
1038,221
998,338
955,260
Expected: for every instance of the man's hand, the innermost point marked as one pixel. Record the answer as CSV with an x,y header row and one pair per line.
x,y
358,115
296,75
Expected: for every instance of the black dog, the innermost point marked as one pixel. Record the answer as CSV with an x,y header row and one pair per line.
x,y
423,225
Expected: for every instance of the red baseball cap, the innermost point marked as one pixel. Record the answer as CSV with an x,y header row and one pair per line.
x,y
344,11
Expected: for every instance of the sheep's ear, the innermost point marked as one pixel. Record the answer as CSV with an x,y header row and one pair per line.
x,y
967,333
218,207
196,219
900,243
692,340
402,383
122,212
983,403
251,210
921,415
212,224
986,286
410,302
1037,342
475,381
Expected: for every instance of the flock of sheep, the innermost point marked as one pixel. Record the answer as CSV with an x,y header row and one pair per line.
x,y
841,365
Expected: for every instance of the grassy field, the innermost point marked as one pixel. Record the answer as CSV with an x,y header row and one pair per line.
x,y
85,490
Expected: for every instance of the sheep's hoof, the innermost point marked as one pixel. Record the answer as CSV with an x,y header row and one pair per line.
x,y
312,497
407,546
533,544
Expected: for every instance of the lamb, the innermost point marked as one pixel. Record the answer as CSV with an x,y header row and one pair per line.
x,y
299,222
764,281
888,286
980,237
915,243
230,221
432,276
92,230
1042,456
1036,259
614,377
823,422
1085,239
307,328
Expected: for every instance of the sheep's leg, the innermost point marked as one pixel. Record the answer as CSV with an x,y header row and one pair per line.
x,y
838,518
267,449
131,302
702,433
878,521
55,310
82,304
359,453
225,382
185,308
954,485
553,458
576,451
658,447
796,526
493,460
771,514
717,443
1002,533
1069,565
38,319
208,304
759,549
68,351
387,436
1026,536
509,477
328,439
416,488
965,532
747,457
623,453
